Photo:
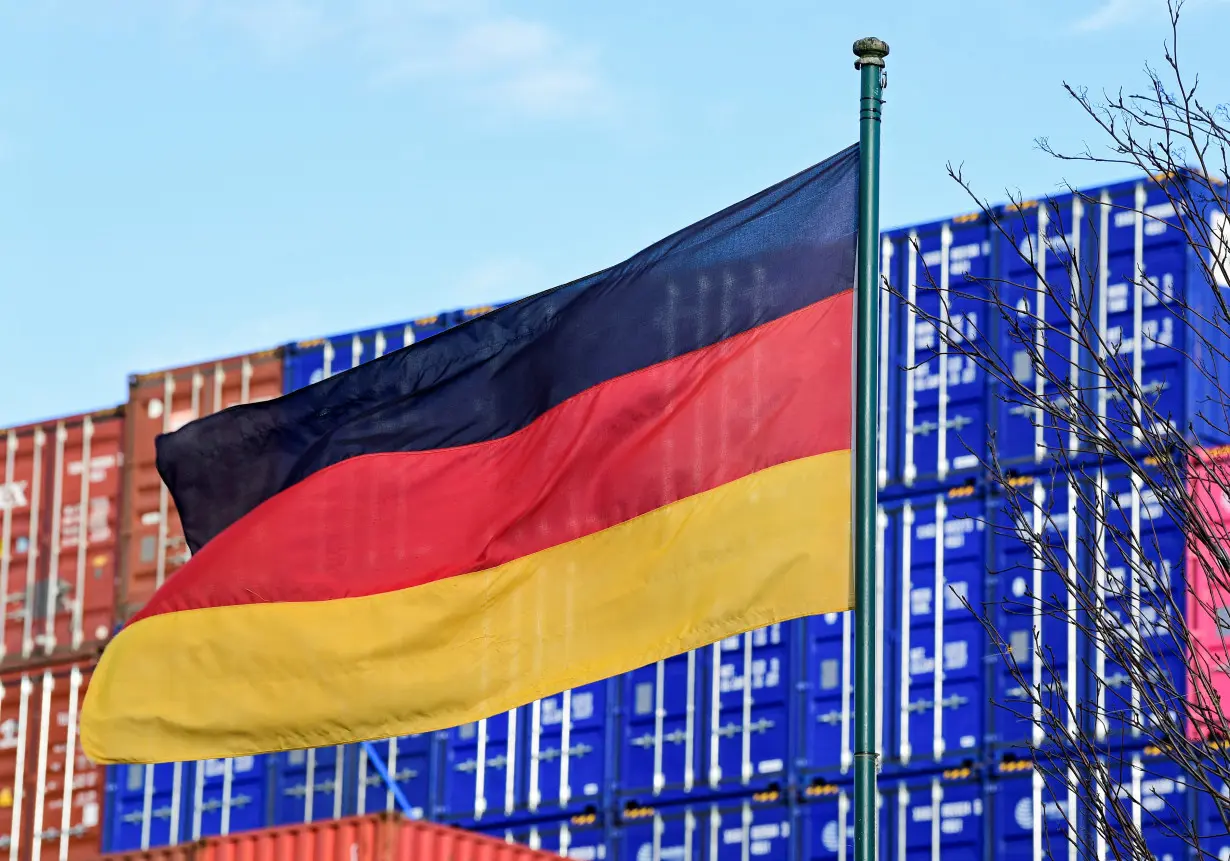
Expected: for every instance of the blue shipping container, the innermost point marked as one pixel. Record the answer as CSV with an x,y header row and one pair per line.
x,y
1040,525
1152,797
1045,239
1034,814
921,817
310,785
941,815
569,751
1139,573
479,776
824,823
169,803
583,838
410,762
658,726
935,428
826,742
730,830
313,360
750,720
936,672
551,758
942,404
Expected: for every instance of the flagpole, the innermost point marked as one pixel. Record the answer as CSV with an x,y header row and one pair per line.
x,y
870,63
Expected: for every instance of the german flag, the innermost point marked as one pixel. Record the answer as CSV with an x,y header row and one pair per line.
x,y
597,477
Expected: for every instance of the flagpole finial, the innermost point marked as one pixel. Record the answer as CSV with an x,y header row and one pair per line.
x,y
870,52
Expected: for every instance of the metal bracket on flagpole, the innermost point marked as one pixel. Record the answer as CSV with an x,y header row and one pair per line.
x,y
871,52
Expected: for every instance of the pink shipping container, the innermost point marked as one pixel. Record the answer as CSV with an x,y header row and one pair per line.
x,y
1208,603
51,794
380,837
152,542
60,485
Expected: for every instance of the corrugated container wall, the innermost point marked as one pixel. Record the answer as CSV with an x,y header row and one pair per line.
x,y
381,837
51,794
152,539
60,510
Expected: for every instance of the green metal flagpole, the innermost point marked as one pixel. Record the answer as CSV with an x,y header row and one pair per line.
x,y
870,63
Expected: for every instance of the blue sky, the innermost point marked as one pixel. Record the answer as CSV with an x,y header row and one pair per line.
x,y
183,179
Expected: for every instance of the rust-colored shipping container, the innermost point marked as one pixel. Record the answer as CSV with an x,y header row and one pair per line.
x,y
152,541
60,484
51,794
379,837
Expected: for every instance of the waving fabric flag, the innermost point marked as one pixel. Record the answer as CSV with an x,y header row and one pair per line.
x,y
597,477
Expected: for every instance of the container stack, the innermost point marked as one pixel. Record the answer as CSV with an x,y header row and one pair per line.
x,y
740,749
60,495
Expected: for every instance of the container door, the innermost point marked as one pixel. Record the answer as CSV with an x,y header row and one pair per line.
x,y
22,505
64,786
583,843
829,720
748,831
1139,574
310,785
229,795
567,749
146,806
826,826
1208,599
1019,833
943,568
58,526
940,819
17,726
409,760
1210,820
88,531
659,728
480,769
828,669
1042,290
654,836
1140,236
1153,798
1038,620
748,726
945,398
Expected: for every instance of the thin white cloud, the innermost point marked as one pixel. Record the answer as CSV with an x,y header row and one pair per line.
x,y
281,29
505,61
470,49
1111,13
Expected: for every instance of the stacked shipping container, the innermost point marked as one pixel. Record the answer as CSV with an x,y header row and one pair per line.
x,y
60,499
152,543
742,747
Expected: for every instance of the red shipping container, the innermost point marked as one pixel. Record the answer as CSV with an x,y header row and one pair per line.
x,y
379,837
51,794
152,543
59,522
